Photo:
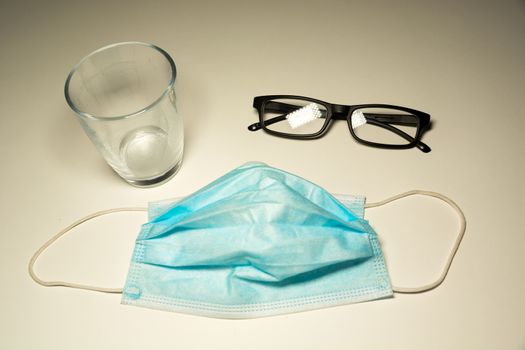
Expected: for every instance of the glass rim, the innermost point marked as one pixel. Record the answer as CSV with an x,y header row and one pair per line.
x,y
85,114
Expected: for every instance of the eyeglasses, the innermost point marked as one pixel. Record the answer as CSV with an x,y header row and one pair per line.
x,y
376,125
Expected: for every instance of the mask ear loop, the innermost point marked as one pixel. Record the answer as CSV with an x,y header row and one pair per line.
x,y
461,233
60,234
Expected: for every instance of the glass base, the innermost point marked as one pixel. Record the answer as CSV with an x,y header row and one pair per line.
x,y
158,180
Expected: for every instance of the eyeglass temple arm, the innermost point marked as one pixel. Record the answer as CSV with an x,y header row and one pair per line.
x,y
380,118
396,119
258,126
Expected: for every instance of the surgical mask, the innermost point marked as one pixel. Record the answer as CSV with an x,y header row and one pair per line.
x,y
256,242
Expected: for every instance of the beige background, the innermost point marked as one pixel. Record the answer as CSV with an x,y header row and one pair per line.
x,y
461,61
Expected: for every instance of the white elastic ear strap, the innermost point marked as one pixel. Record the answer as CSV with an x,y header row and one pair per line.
x,y
370,205
448,262
60,234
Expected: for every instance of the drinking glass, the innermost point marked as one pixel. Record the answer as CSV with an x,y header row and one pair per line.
x,y
124,97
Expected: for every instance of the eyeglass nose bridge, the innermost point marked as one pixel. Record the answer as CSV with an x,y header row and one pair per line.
x,y
340,112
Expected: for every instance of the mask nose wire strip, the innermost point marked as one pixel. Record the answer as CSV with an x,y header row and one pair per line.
x,y
60,234
461,233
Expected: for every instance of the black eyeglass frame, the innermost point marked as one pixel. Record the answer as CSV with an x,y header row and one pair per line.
x,y
344,112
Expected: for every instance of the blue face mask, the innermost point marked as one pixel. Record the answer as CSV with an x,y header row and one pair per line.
x,y
256,242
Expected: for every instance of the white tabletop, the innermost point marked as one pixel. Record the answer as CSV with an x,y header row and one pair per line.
x,y
460,61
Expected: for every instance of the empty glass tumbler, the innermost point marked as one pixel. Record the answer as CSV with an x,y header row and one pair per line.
x,y
123,95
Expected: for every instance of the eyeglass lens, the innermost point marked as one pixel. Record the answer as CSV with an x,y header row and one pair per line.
x,y
294,116
384,125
